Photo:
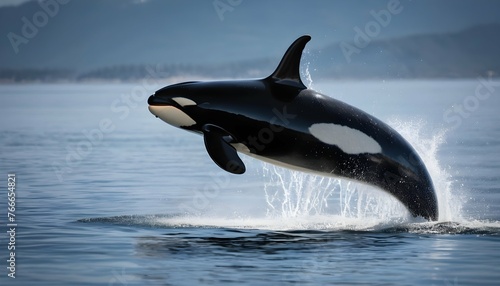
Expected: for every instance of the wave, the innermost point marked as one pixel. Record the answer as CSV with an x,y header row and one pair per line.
x,y
325,224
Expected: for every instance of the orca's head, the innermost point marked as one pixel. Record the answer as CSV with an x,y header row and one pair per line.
x,y
172,103
191,105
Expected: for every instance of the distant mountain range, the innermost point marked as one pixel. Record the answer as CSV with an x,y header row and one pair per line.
x,y
83,42
465,54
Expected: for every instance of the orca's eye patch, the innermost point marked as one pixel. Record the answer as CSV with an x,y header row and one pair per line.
x,y
182,101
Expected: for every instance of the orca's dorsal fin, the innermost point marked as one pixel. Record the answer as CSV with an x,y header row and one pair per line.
x,y
288,71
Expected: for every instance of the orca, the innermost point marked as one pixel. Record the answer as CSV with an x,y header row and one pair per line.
x,y
279,120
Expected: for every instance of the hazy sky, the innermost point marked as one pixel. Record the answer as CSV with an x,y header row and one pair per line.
x,y
11,2
185,30
439,15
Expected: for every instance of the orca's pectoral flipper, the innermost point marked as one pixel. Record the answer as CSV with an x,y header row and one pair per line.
x,y
219,149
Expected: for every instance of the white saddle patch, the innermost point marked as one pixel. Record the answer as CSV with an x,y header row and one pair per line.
x,y
349,140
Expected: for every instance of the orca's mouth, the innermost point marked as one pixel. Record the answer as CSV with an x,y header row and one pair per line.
x,y
158,105
154,100
170,111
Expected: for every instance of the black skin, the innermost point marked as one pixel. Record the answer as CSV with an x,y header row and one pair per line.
x,y
271,118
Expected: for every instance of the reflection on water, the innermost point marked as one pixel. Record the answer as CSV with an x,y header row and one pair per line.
x,y
256,242
295,256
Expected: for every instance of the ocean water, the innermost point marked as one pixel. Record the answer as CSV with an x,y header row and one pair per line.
x,y
106,194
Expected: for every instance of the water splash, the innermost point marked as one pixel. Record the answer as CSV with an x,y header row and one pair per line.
x,y
326,202
305,72
450,198
292,194
307,76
